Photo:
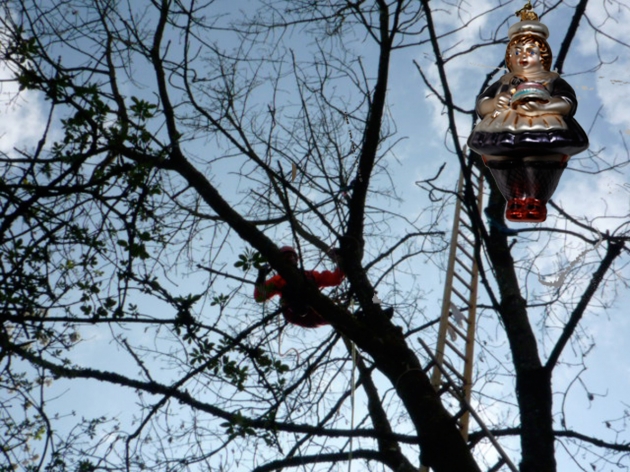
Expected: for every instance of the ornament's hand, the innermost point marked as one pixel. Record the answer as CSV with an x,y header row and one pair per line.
x,y
495,106
531,108
502,101
556,106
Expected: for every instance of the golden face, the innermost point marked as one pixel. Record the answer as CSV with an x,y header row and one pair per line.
x,y
525,58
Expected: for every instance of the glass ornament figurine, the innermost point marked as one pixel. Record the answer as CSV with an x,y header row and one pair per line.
x,y
527,132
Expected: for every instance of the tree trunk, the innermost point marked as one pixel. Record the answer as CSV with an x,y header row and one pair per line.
x,y
533,381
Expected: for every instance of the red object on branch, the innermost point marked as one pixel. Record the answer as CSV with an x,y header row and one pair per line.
x,y
293,308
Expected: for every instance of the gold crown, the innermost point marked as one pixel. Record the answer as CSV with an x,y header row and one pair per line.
x,y
529,24
526,13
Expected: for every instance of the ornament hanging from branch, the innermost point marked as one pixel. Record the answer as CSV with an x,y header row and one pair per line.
x,y
527,132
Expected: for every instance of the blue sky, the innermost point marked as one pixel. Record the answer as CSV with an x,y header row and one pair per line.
x,y
603,199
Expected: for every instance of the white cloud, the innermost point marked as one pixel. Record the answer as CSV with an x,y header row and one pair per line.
x,y
613,89
612,83
22,115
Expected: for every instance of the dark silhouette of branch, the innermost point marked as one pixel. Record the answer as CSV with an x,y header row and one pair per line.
x,y
476,436
613,251
580,10
318,459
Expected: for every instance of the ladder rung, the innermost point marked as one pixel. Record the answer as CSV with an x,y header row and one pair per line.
x,y
475,189
457,330
498,465
463,298
459,414
466,225
464,267
443,389
457,351
459,277
468,215
463,401
458,392
454,371
465,252
464,237
475,181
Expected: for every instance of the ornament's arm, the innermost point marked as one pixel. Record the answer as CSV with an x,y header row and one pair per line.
x,y
484,106
489,101
556,106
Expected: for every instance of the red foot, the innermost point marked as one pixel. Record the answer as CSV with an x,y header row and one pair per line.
x,y
526,210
